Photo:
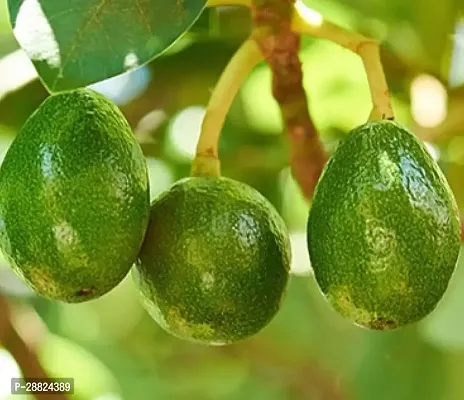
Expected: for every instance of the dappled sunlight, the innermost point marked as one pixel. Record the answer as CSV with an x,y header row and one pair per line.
x,y
184,131
429,101
34,33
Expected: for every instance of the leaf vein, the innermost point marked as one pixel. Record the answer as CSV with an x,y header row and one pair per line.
x,y
143,16
80,32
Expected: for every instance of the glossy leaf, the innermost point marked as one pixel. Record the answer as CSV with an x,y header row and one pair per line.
x,y
75,43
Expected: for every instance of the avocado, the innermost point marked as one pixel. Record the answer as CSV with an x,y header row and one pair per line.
x,y
214,266
383,229
74,198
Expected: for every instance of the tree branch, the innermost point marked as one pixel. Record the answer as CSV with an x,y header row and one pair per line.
x,y
280,46
21,352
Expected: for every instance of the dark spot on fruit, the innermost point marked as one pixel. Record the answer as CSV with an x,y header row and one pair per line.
x,y
383,324
84,292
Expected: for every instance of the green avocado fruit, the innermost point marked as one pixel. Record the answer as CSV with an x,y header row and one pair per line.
x,y
74,198
215,262
383,230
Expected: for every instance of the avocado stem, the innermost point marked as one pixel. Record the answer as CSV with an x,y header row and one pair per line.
x,y
206,166
309,22
368,49
206,162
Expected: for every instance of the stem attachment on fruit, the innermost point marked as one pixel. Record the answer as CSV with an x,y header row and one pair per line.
x,y
206,162
307,21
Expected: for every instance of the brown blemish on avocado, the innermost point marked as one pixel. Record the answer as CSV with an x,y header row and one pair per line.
x,y
343,302
383,324
84,292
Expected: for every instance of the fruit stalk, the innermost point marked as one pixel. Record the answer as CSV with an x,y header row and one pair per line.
x,y
369,51
307,21
21,352
280,46
206,162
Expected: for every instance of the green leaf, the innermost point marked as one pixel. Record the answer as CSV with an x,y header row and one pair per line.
x,y
74,43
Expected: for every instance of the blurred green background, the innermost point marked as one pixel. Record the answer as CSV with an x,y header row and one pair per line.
x,y
112,348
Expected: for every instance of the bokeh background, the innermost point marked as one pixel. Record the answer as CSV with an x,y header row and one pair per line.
x,y
113,349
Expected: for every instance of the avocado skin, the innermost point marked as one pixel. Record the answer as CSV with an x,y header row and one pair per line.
x,y
215,262
74,198
383,231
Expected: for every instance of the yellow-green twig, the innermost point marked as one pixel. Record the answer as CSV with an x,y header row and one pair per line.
x,y
305,21
309,22
234,75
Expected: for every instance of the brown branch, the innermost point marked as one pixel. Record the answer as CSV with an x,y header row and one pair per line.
x,y
22,353
280,46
